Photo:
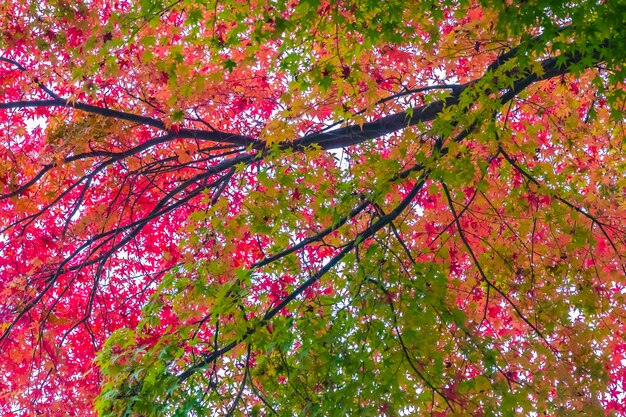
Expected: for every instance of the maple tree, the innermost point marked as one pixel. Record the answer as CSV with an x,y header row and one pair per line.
x,y
312,207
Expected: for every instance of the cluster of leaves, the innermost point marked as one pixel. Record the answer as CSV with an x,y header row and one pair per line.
x,y
312,207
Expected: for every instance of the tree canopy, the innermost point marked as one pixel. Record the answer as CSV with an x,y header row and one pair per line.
x,y
312,207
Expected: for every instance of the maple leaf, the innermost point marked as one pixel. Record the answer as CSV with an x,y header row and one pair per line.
x,y
320,208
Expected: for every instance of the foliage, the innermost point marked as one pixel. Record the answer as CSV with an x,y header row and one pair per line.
x,y
312,208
